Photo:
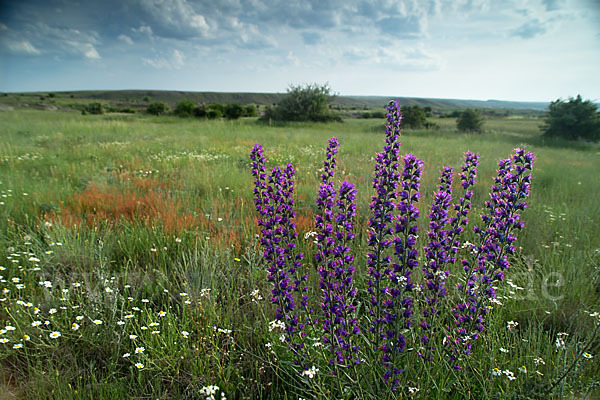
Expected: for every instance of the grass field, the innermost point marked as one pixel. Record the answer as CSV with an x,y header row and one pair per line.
x,y
131,268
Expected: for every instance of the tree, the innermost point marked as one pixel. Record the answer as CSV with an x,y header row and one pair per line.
x,y
185,108
413,117
304,103
470,121
233,111
157,108
573,119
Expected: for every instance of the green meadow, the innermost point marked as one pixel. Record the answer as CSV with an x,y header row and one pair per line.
x,y
131,266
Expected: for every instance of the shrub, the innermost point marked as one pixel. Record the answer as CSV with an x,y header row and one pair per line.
x,y
217,106
250,110
233,111
431,125
373,114
367,333
413,117
200,111
304,103
157,108
470,121
214,113
94,108
185,108
573,119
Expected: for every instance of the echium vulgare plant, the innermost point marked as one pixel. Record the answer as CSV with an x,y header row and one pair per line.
x,y
373,330
273,198
335,264
489,260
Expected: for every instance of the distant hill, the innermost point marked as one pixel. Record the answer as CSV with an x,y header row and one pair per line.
x,y
441,104
139,98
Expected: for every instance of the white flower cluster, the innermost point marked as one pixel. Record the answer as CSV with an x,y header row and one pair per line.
x,y
210,391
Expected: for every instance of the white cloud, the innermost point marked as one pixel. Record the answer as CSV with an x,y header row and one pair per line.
x,y
175,19
125,39
143,29
91,53
530,29
401,57
175,60
22,47
54,40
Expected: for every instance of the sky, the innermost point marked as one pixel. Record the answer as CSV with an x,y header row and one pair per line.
x,y
523,50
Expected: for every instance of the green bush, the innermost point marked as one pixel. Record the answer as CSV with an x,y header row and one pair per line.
x,y
200,111
214,114
233,111
470,121
185,108
250,110
157,108
94,108
218,107
431,126
304,103
413,117
573,119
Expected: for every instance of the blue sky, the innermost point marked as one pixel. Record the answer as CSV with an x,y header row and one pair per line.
x,y
471,49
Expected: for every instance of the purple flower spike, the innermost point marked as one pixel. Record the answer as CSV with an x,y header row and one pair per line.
x,y
398,301
490,257
437,256
273,198
335,264
385,183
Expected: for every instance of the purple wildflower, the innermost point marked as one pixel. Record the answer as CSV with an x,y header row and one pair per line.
x,y
398,303
385,183
436,256
335,263
490,258
273,198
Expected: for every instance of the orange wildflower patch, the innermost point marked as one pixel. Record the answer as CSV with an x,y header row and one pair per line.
x,y
95,205
305,221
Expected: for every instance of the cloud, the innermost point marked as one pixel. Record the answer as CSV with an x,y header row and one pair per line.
x,y
40,38
408,27
125,39
22,47
530,29
174,19
177,59
552,5
311,38
91,53
397,57
174,60
3,27
249,37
